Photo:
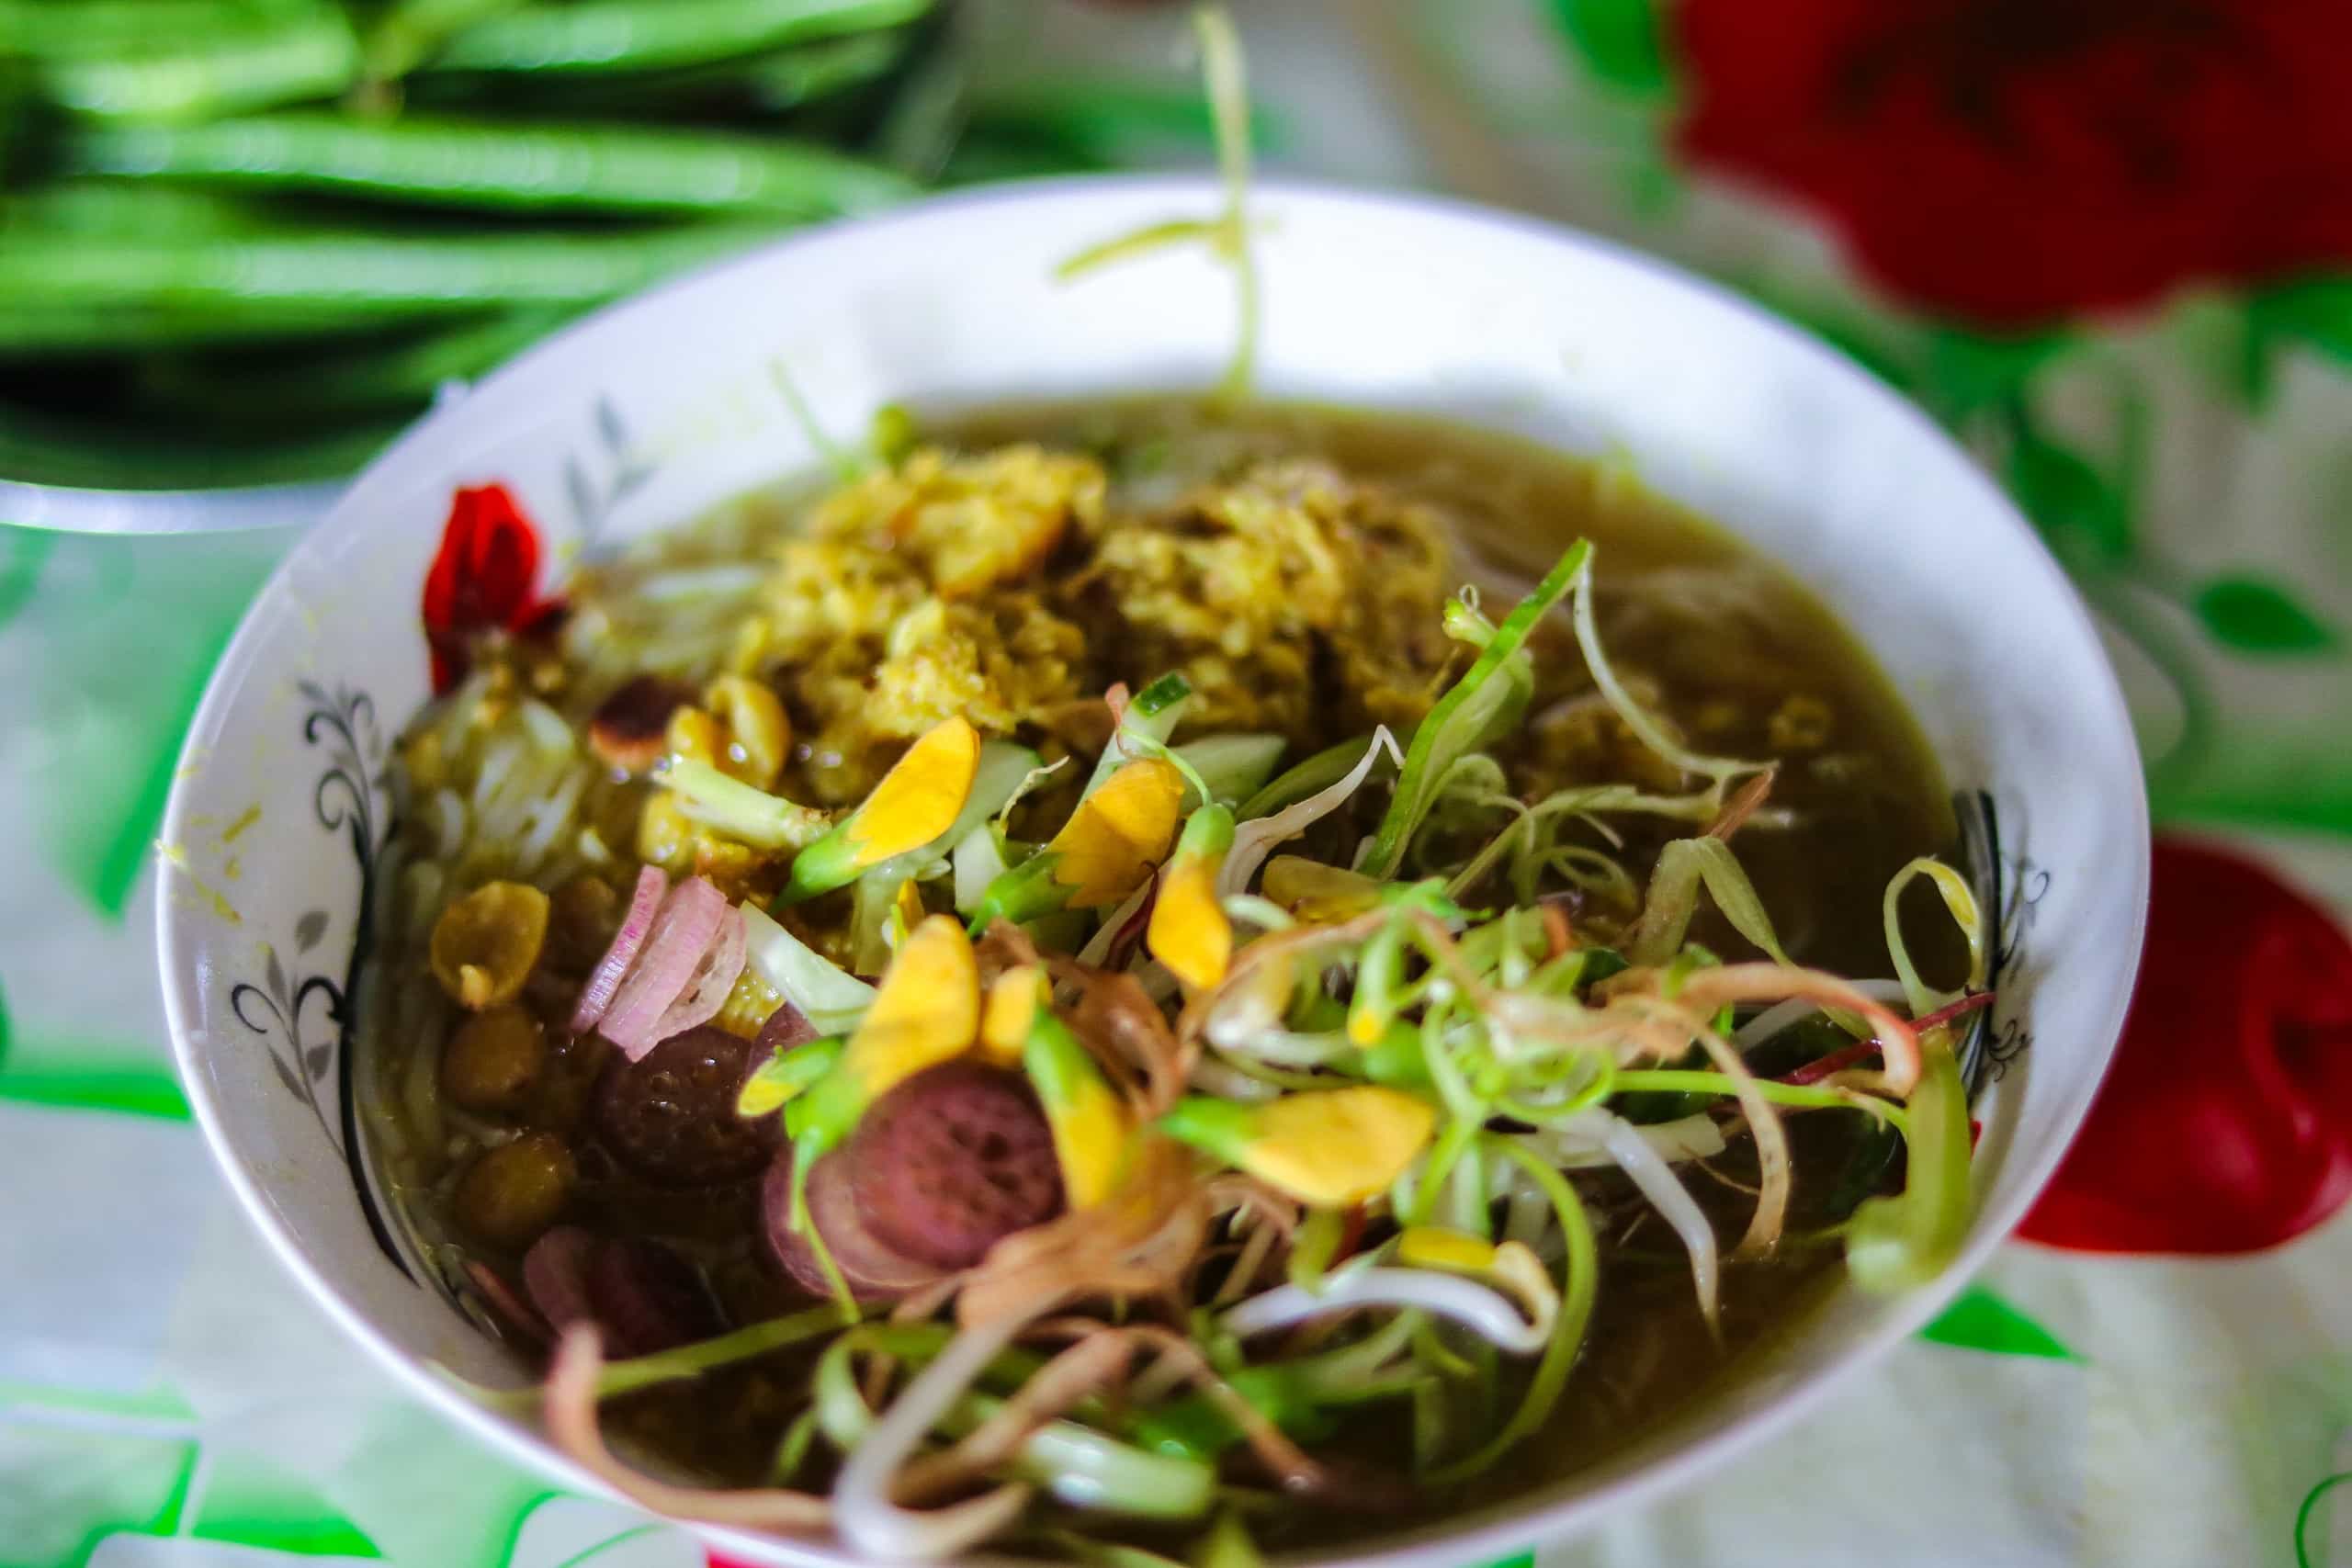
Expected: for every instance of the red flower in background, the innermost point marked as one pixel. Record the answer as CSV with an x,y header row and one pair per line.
x,y
480,581
2015,160
2225,1121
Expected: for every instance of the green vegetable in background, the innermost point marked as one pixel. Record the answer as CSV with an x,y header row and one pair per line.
x,y
239,238
600,35
482,163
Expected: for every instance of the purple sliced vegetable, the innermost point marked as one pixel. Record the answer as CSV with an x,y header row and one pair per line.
x,y
682,934
873,1272
951,1162
648,1298
705,991
786,1027
555,1272
604,980
670,1116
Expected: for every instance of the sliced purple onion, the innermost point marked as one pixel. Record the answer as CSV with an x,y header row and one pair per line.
x,y
674,949
555,1272
786,1027
705,991
605,981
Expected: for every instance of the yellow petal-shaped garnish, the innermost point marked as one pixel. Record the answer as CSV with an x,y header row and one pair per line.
x,y
1013,1002
1334,1147
918,797
1119,833
1316,893
926,1011
1435,1246
1189,931
1091,1131
906,906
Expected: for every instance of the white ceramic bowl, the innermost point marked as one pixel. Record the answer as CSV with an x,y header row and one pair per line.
x,y
643,415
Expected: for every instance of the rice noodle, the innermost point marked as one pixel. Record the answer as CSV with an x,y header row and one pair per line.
x,y
865,1509
548,819
1772,1165
1478,1307
1570,1147
1796,1010
570,1415
1640,1161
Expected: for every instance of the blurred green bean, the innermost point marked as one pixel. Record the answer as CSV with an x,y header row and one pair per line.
x,y
225,222
338,383
305,59
86,30
43,449
388,277
410,32
48,329
118,208
756,84
483,164
595,36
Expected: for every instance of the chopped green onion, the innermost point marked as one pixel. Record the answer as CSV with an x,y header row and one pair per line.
x,y
756,817
979,861
1151,717
832,1000
1893,1243
1808,1096
1491,693
1577,1285
1233,766
1682,866
1958,898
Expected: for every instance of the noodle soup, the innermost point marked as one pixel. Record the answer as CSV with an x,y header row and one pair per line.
x,y
1136,973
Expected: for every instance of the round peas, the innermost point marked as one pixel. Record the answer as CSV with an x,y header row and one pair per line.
x,y
514,1192
493,1059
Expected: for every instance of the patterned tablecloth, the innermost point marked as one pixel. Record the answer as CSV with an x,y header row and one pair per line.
x,y
2110,250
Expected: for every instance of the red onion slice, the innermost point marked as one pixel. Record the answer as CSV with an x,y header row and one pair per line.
x,y
786,1027
705,991
555,1272
682,934
604,980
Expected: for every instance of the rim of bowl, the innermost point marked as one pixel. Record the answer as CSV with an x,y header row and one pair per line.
x,y
1538,1515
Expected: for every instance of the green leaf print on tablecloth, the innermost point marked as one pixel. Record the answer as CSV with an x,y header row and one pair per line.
x,y
85,1076
1619,41
22,551
2254,616
1979,1320
127,630
2315,311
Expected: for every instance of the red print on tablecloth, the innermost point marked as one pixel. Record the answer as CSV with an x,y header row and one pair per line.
x,y
2225,1123
2011,161
481,580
